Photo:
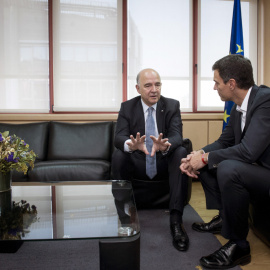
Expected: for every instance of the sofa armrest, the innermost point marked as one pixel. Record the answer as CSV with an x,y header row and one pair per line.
x,y
188,145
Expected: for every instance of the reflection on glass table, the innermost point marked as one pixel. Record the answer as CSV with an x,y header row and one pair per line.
x,y
100,209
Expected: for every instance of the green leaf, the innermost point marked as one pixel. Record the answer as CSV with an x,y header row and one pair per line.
x,y
5,134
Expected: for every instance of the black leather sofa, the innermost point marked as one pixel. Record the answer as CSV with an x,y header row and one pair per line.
x,y
66,151
81,152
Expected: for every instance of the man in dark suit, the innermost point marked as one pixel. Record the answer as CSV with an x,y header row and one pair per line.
x,y
235,169
162,147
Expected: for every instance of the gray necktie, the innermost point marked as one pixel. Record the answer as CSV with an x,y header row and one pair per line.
x,y
151,169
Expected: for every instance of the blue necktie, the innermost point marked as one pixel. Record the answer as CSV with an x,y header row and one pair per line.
x,y
151,168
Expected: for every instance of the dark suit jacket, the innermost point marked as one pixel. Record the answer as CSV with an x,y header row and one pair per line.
x,y
253,145
131,120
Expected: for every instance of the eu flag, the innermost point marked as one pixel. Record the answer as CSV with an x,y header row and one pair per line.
x,y
236,47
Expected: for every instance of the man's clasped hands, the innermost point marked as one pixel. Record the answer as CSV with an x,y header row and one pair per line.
x,y
192,163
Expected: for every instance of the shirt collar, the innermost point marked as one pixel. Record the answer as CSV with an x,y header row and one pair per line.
x,y
145,107
244,105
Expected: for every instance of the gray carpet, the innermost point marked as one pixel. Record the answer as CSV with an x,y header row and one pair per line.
x,y
161,254
157,252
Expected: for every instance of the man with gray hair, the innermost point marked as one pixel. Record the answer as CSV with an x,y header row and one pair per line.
x,y
149,139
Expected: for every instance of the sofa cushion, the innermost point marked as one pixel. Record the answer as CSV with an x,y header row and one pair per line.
x,y
70,170
34,134
80,141
18,176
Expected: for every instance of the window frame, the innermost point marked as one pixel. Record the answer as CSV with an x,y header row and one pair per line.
x,y
194,61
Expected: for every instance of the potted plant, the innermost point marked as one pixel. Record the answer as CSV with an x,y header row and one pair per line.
x,y
14,155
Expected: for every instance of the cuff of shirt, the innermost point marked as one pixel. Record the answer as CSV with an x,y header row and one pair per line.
x,y
166,151
126,147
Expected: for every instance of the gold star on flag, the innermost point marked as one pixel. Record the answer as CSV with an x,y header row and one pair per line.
x,y
226,116
239,49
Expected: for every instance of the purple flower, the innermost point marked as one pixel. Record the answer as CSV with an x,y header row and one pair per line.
x,y
13,232
1,137
12,139
11,158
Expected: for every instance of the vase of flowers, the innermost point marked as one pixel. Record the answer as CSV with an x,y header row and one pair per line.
x,y
5,181
14,155
5,202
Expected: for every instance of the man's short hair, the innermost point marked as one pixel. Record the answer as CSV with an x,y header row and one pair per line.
x,y
138,78
237,67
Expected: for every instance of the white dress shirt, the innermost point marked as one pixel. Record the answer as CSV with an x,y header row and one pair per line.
x,y
145,110
243,109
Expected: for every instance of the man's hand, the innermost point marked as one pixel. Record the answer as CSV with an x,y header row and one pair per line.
x,y
192,163
138,143
186,168
196,161
159,144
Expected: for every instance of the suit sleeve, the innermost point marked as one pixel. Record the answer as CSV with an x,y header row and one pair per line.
x,y
174,128
226,139
254,143
122,132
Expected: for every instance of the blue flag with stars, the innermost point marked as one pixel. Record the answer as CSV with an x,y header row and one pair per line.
x,y
236,47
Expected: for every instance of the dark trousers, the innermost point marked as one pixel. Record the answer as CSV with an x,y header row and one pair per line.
x,y
230,188
128,166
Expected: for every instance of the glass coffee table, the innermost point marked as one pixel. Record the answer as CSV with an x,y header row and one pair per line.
x,y
103,210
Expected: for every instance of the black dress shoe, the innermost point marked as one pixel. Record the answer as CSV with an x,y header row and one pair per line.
x,y
179,235
214,226
227,257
